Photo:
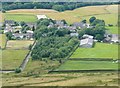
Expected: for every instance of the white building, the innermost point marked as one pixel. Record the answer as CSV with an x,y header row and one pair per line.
x,y
41,17
115,38
87,36
86,43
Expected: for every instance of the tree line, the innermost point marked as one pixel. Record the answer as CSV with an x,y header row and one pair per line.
x,y
59,6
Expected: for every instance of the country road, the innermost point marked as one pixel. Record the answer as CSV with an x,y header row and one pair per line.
x,y
25,61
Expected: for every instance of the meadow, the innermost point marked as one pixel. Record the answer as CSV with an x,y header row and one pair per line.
x,y
100,50
102,12
113,30
87,65
11,59
19,44
3,40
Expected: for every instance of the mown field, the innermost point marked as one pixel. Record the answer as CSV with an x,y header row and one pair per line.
x,y
19,44
88,65
102,12
100,50
2,40
11,59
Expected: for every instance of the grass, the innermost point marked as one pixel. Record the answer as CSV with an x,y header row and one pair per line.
x,y
88,65
12,59
102,12
101,50
113,30
19,44
2,40
21,17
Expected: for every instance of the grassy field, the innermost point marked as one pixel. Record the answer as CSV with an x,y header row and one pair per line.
x,y
88,65
19,44
21,17
101,50
2,40
102,12
12,59
113,30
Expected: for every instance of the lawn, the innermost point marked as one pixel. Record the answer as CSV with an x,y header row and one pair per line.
x,y
88,65
102,12
113,30
19,44
21,17
2,40
12,59
101,50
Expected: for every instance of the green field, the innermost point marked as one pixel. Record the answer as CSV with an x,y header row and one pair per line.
x,y
113,30
88,65
109,13
101,50
2,40
12,59
21,17
19,44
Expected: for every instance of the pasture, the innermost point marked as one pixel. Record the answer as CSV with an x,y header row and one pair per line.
x,y
104,12
19,44
3,40
113,30
100,50
87,65
11,59
21,17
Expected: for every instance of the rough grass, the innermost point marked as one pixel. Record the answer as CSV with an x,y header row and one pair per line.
x,y
19,44
113,30
71,79
2,40
101,50
102,12
88,65
12,59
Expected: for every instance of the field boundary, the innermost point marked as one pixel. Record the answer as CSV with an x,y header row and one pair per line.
x,y
93,59
106,70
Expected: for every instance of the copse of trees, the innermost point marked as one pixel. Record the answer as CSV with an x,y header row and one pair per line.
x,y
52,43
59,6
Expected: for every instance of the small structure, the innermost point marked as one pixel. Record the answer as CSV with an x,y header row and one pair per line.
x,y
87,36
115,38
9,22
80,25
59,23
41,17
74,34
86,43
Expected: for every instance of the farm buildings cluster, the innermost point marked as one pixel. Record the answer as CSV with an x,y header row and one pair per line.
x,y
26,31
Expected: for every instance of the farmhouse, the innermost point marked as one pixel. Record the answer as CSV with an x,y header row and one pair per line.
x,y
41,17
86,43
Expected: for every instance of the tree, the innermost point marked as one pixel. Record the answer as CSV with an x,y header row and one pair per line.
x,y
84,21
98,22
58,8
33,28
22,23
99,37
17,70
92,19
9,35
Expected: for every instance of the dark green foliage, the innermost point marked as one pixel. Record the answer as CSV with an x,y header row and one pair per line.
x,y
84,21
17,70
98,22
99,37
9,35
59,6
92,19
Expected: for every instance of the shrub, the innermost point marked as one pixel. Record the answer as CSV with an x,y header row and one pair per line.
x,y
17,70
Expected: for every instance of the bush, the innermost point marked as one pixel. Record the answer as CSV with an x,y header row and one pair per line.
x,y
17,70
